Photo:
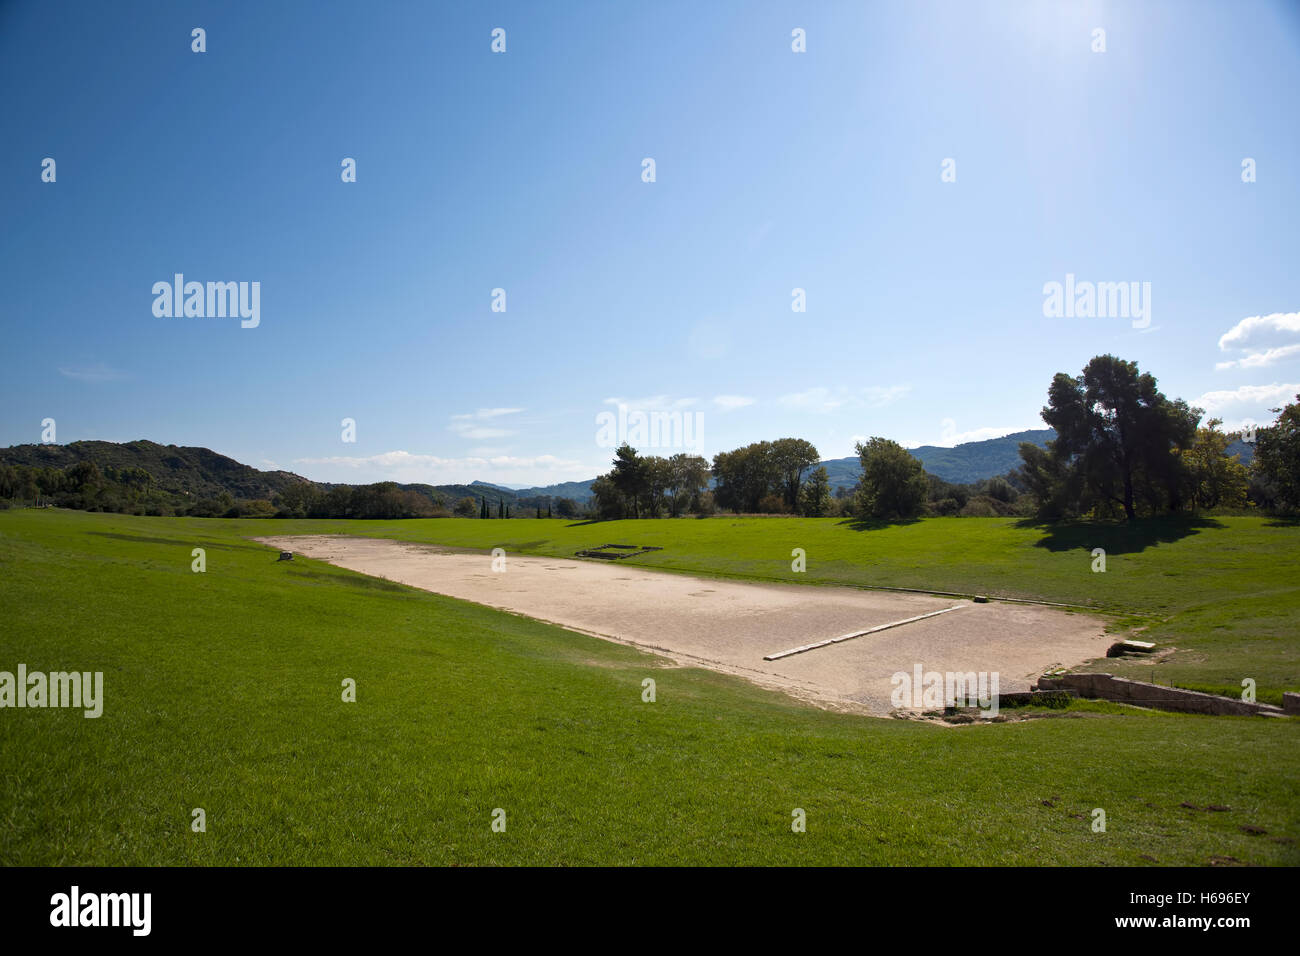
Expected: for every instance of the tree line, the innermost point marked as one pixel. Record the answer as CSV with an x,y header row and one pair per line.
x,y
1122,450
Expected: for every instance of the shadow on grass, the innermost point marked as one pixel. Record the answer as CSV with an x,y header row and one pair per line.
x,y
1117,537
196,541
876,524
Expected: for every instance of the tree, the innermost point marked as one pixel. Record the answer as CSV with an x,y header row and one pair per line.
x,y
1215,479
608,500
893,482
815,497
299,499
1117,440
658,479
465,507
745,476
630,477
1277,458
688,477
790,458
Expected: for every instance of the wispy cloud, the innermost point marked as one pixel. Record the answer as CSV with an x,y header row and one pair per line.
x,y
729,403
822,399
470,425
1263,339
653,403
96,373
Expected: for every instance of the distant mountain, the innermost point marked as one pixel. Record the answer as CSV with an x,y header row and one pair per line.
x,y
1239,447
577,490
962,464
487,484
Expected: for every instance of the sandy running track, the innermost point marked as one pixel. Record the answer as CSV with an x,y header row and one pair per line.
x,y
729,625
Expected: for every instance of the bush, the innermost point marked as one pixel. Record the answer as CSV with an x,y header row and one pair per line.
x,y
979,508
947,507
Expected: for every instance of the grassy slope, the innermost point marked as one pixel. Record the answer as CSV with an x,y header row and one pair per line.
x,y
223,693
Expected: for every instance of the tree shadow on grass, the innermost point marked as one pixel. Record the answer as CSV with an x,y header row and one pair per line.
x,y
205,541
876,524
1117,537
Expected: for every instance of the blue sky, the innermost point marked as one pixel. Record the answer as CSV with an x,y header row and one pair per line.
x,y
522,170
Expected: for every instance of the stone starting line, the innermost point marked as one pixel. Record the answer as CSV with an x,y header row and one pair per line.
x,y
848,637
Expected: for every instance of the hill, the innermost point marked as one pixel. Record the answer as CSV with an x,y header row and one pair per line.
x,y
181,470
577,490
962,464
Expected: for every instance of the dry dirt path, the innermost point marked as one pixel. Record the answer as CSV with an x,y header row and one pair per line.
x,y
730,626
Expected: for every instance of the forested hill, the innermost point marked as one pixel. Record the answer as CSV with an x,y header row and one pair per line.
x,y
195,472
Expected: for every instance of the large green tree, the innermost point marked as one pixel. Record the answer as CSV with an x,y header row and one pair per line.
x,y
688,477
1117,444
1214,478
1277,458
745,476
630,477
791,457
893,483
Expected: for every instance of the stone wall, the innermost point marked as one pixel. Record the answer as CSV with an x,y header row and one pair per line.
x,y
1125,691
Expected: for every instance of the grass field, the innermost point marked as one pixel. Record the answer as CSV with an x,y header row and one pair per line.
x,y
223,692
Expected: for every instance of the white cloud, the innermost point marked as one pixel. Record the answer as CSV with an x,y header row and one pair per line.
x,y
729,403
823,399
1264,340
93,373
405,467
1260,359
1263,396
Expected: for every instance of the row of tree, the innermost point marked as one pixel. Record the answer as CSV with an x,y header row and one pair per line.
x,y
1122,449
650,486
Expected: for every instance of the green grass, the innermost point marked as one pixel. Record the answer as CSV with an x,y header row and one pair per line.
x,y
223,692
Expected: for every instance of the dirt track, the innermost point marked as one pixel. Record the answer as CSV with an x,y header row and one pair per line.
x,y
729,626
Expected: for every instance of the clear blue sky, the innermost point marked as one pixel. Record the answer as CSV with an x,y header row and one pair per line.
x,y
775,170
